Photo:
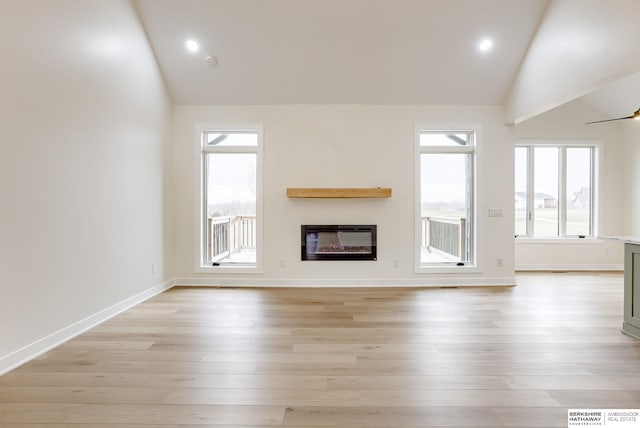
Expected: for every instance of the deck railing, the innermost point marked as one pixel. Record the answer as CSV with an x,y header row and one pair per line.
x,y
444,234
229,235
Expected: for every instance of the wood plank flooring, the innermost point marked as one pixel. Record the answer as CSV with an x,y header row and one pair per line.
x,y
378,357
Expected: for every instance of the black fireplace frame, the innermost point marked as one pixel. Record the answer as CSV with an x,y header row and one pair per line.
x,y
314,228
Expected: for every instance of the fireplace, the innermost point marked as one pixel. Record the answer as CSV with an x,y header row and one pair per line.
x,y
339,242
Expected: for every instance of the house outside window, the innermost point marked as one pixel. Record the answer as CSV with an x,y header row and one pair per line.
x,y
230,203
555,190
445,195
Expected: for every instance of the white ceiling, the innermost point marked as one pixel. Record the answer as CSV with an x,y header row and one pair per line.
x,y
617,99
340,51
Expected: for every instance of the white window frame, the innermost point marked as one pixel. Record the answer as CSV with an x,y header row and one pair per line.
x,y
562,145
447,267
200,211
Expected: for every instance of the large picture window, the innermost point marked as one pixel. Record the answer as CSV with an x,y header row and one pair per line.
x,y
554,191
445,198
230,197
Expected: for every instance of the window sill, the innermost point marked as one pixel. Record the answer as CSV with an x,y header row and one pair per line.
x,y
582,241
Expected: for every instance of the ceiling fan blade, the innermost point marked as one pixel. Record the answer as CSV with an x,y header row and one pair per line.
x,y
611,120
219,139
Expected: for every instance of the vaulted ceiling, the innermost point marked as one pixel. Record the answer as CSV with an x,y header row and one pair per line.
x,y
618,99
340,51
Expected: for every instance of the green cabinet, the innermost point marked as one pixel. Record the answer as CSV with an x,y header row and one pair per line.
x,y
631,325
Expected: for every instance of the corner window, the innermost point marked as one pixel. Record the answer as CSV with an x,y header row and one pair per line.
x,y
445,197
230,226
554,191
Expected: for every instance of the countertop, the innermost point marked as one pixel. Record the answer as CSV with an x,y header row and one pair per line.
x,y
625,239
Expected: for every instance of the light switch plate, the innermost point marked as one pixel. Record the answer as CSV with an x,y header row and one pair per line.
x,y
495,212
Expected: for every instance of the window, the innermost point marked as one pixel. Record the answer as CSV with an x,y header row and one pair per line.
x,y
554,190
445,198
230,197
522,171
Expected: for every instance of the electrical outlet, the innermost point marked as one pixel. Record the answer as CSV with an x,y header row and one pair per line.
x,y
495,212
396,264
283,263
499,261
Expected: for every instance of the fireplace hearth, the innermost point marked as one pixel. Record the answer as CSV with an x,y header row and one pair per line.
x,y
339,242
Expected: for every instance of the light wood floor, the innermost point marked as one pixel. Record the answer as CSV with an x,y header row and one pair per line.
x,y
467,357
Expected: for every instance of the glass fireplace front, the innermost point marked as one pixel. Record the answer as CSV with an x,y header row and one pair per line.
x,y
339,242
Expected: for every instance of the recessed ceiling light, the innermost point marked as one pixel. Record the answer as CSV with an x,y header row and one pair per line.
x,y
192,45
485,45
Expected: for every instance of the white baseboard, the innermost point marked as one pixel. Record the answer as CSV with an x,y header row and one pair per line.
x,y
356,283
576,268
39,347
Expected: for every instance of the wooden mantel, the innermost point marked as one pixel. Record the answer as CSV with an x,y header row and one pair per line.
x,y
338,192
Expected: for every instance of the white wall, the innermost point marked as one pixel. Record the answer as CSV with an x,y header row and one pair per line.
x,y
580,46
85,125
347,146
631,206
567,123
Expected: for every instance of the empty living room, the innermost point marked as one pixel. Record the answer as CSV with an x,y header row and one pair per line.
x,y
303,213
